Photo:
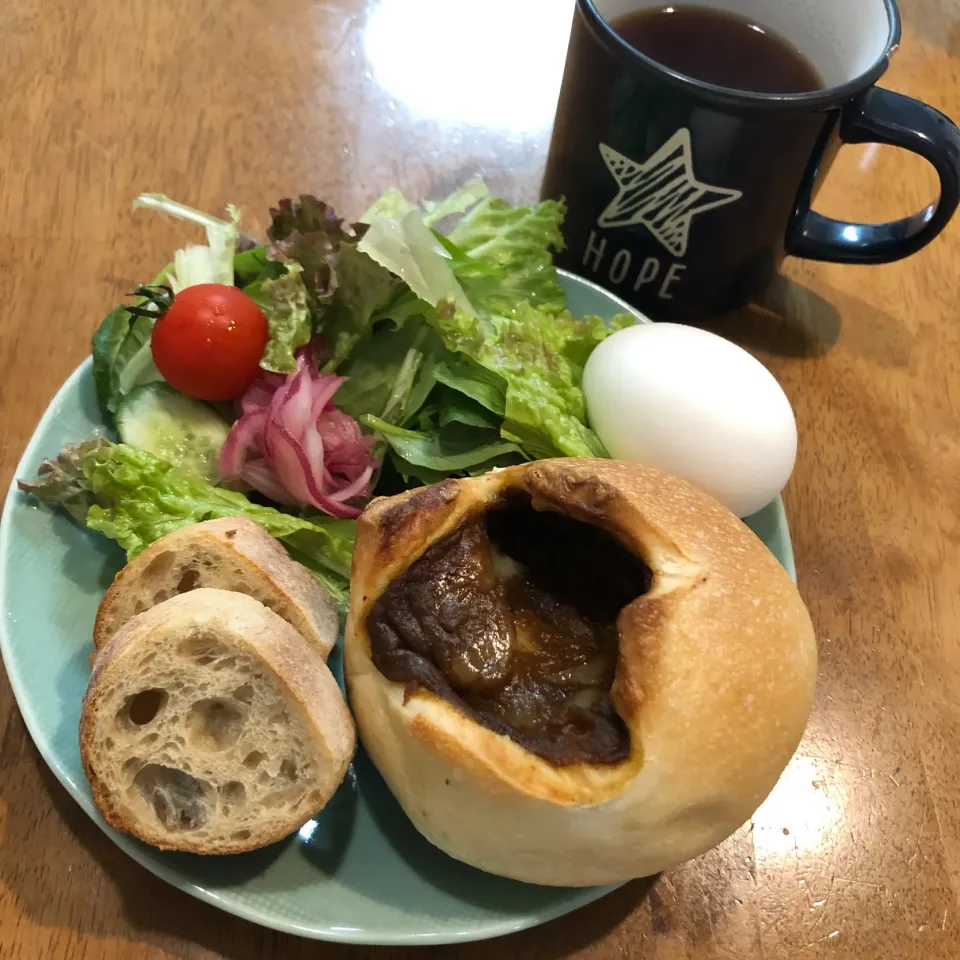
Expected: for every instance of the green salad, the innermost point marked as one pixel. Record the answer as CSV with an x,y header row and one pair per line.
x,y
293,380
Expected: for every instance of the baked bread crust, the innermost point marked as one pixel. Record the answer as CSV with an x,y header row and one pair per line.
x,y
715,678
229,553
253,736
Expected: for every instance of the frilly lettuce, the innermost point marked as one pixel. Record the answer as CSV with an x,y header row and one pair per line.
x,y
309,232
394,204
517,244
345,286
364,289
513,354
136,498
285,303
539,357
458,347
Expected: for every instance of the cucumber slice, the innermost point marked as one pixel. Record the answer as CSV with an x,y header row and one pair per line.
x,y
186,432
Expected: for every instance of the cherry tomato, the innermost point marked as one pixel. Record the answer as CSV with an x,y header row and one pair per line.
x,y
209,343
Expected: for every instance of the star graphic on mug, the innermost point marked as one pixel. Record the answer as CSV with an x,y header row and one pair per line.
x,y
662,193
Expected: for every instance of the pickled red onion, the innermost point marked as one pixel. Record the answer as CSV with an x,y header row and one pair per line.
x,y
294,446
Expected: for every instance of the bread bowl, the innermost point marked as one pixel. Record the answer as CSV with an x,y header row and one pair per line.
x,y
713,670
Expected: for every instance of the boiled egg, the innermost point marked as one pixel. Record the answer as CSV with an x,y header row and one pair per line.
x,y
694,405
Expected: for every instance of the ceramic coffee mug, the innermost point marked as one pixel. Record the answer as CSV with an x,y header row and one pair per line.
x,y
684,197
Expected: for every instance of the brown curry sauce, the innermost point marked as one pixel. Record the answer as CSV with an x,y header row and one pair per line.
x,y
512,618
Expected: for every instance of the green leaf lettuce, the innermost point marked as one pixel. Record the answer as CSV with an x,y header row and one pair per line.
x,y
285,303
517,244
540,357
136,498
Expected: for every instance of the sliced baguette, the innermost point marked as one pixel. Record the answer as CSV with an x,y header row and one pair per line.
x,y
232,553
211,726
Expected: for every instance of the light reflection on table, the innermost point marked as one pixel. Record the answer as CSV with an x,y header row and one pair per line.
x,y
497,65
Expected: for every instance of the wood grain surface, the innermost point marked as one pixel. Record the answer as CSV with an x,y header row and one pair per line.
x,y
857,852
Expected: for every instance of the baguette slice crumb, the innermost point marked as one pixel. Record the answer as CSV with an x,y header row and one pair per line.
x,y
231,553
211,726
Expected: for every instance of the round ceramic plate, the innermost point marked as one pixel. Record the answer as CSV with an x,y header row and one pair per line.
x,y
359,872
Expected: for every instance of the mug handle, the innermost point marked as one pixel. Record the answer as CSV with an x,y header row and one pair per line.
x,y
882,116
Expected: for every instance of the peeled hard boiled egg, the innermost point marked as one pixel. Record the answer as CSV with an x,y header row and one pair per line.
x,y
695,405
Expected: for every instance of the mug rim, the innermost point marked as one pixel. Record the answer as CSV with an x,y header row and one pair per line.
x,y
730,96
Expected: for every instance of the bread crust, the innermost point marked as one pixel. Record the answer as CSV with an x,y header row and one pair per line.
x,y
308,689
263,563
715,678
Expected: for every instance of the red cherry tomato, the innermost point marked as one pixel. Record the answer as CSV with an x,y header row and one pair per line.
x,y
209,343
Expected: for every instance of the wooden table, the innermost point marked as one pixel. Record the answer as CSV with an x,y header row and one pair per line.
x,y
857,852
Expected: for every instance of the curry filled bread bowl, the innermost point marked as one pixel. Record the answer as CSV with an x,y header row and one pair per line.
x,y
574,672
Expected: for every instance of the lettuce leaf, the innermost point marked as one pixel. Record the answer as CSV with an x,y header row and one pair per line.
x,y
399,238
61,480
121,352
134,364
391,373
364,288
285,303
303,217
451,450
408,249
540,358
461,200
394,204
105,346
195,264
135,498
390,204
455,407
484,386
252,265
517,243
309,232
346,288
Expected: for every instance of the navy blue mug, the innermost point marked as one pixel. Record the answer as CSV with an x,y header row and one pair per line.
x,y
684,197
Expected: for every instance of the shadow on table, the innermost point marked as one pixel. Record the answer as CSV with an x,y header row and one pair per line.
x,y
564,936
789,320
792,320
155,913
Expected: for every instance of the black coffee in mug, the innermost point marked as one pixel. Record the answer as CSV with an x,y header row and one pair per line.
x,y
719,48
689,144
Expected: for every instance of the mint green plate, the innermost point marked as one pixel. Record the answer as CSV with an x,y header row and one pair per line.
x,y
359,872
